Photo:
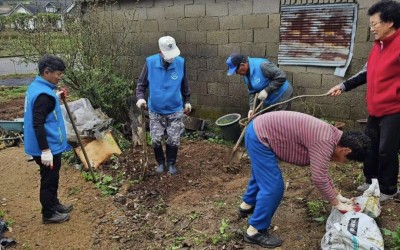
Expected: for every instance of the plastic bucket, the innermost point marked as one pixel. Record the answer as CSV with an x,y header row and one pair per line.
x,y
230,127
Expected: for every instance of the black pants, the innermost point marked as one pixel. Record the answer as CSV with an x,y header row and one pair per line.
x,y
49,185
382,162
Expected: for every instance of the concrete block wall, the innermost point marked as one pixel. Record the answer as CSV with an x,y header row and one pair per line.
x,y
207,31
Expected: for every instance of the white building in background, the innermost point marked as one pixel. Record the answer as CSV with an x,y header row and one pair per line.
x,y
37,7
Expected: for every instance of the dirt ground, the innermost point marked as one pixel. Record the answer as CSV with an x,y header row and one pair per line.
x,y
193,210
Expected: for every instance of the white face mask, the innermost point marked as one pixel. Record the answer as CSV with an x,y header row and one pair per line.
x,y
169,60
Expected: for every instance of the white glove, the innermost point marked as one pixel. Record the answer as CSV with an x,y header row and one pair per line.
x,y
344,199
344,208
188,108
47,158
140,103
62,93
249,114
262,95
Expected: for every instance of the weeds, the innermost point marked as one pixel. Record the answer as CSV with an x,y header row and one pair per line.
x,y
220,204
395,235
177,243
10,93
219,140
69,157
106,183
122,142
316,209
9,222
223,235
194,216
192,136
160,207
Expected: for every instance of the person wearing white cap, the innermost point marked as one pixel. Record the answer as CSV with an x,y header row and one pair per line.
x,y
263,77
164,76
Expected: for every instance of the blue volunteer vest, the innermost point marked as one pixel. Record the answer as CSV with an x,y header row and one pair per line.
x,y
165,96
54,124
258,81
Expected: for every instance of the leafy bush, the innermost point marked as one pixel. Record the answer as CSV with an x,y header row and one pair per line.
x,y
3,21
97,49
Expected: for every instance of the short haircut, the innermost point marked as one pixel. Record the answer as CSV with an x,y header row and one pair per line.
x,y
51,63
358,142
389,11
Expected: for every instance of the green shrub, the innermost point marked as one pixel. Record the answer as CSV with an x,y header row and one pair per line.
x,y
97,50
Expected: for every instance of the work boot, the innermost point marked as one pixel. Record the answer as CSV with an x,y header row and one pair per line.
x,y
55,218
172,169
159,155
385,197
63,209
264,239
160,169
363,187
172,152
243,213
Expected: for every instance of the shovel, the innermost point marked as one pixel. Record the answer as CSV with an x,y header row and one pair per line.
x,y
79,139
234,155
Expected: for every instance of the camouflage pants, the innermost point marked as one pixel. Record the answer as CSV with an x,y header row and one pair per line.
x,y
169,127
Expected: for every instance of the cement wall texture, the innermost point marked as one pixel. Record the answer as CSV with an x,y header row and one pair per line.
x,y
207,31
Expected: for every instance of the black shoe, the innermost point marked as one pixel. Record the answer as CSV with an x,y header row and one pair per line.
x,y
63,209
264,239
55,218
243,213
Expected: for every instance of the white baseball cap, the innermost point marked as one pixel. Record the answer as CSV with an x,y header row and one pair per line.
x,y
168,47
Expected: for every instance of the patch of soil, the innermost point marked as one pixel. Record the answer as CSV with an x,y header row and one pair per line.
x,y
12,109
194,210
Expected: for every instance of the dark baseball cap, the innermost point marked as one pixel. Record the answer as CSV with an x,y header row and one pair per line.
x,y
233,61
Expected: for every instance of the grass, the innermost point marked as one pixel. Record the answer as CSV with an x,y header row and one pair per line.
x,y
16,76
9,38
10,93
7,41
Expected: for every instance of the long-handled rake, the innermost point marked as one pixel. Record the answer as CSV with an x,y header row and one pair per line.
x,y
79,139
234,154
144,142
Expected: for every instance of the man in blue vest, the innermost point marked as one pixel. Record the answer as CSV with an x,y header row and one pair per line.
x,y
164,75
45,136
263,77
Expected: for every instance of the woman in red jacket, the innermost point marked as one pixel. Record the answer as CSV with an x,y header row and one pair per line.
x,y
382,75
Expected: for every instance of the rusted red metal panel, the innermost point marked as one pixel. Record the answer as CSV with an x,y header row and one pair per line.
x,y
316,34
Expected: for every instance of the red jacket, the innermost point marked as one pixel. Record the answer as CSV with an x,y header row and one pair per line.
x,y
383,77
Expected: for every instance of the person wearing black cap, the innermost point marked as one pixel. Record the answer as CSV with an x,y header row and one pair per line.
x,y
263,77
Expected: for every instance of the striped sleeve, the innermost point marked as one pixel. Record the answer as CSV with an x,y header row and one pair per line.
x,y
320,154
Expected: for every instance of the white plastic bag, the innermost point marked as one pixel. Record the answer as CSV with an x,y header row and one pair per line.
x,y
353,231
369,201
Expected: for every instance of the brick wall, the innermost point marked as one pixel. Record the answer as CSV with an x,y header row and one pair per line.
x,y
207,31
